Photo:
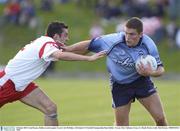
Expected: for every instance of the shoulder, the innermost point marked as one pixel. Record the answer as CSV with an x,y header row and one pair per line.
x,y
43,40
147,39
111,39
149,44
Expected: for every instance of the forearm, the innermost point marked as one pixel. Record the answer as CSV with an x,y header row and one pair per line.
x,y
160,71
68,56
79,48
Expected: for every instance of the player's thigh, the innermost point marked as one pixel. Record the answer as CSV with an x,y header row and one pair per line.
x,y
122,112
38,99
153,104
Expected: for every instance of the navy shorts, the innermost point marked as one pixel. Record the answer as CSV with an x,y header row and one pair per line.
x,y
122,94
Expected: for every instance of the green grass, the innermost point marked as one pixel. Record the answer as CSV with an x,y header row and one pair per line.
x,y
84,102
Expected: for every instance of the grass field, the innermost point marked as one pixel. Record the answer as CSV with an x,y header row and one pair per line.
x,y
84,102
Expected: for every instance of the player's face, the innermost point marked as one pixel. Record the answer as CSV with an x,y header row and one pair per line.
x,y
63,37
132,36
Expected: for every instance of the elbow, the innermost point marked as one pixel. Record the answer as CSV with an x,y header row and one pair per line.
x,y
161,71
58,55
61,56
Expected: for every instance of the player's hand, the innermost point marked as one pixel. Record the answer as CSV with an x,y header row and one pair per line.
x,y
60,44
65,48
145,70
97,55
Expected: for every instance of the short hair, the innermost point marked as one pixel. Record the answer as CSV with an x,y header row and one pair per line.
x,y
55,28
135,23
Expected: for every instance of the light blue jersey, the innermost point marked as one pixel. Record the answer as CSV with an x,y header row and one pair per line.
x,y
121,58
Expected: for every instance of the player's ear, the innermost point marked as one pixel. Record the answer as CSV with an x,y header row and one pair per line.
x,y
141,34
55,36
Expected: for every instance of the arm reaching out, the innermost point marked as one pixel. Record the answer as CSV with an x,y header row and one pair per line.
x,y
69,56
79,48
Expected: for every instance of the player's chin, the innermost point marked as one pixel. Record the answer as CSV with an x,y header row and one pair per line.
x,y
129,44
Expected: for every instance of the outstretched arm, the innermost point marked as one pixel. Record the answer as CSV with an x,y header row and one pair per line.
x,y
69,56
79,48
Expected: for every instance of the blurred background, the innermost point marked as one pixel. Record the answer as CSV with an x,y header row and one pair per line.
x,y
21,21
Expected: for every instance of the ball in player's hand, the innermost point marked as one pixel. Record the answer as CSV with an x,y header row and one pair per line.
x,y
144,60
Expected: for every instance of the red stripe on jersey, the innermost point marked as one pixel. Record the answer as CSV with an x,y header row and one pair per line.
x,y
2,73
43,47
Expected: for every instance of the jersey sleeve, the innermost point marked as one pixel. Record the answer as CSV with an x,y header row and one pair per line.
x,y
153,50
47,50
105,42
97,45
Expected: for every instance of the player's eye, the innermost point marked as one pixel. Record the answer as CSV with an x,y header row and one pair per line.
x,y
131,34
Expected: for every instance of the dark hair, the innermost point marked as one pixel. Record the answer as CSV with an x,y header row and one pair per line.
x,y
55,28
135,23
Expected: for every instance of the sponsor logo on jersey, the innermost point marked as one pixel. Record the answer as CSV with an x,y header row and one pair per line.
x,y
124,62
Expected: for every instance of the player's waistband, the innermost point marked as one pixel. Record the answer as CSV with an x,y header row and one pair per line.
x,y
138,82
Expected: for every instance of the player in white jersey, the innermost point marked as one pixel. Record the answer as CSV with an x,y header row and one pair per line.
x,y
16,80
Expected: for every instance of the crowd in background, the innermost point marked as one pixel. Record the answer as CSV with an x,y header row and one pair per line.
x,y
152,12
20,12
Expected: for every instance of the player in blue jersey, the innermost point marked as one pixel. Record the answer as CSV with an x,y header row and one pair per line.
x,y
128,84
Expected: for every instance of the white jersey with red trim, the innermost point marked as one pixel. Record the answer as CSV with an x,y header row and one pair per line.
x,y
30,62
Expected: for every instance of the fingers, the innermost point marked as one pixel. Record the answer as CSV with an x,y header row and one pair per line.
x,y
64,48
148,65
103,53
98,55
144,70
